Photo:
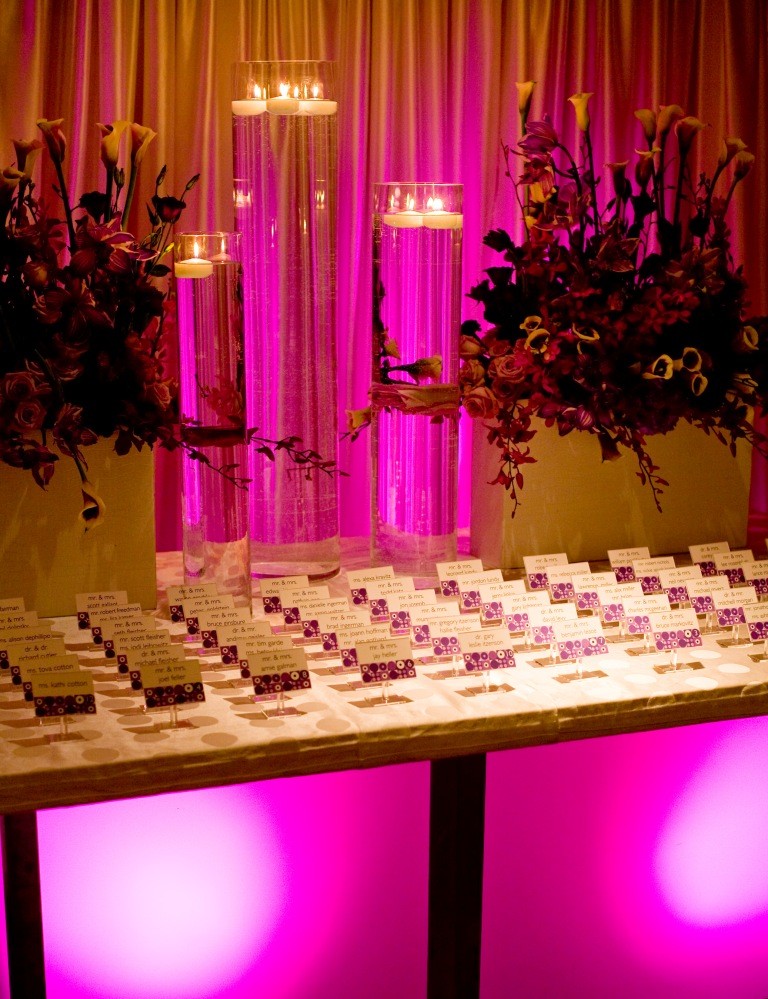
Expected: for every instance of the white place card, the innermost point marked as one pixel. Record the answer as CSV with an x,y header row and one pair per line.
x,y
178,594
448,573
359,580
619,593
560,579
537,566
627,556
385,660
756,620
102,620
63,694
675,629
273,587
486,650
470,586
101,598
579,639
542,621
16,619
10,604
280,660
132,661
415,600
707,552
653,603
209,623
63,663
280,673
294,614
253,645
731,564
653,566
172,684
385,588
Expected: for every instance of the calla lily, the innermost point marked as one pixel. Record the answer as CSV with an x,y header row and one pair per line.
x,y
619,177
749,338
357,419
54,137
524,95
530,323
27,151
689,361
647,119
110,143
141,136
537,340
644,166
687,129
668,115
698,383
731,146
580,102
92,514
743,162
662,368
586,333
390,348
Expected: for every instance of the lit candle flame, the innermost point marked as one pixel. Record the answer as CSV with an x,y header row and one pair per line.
x,y
409,203
296,92
256,91
284,89
435,204
315,90
196,249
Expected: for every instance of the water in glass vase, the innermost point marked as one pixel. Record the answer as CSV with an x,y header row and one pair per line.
x,y
414,432
214,508
285,195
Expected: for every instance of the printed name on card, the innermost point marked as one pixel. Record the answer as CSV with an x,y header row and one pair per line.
x,y
756,570
506,588
626,556
385,660
732,560
25,633
675,630
281,672
708,585
619,593
134,660
172,683
756,619
63,694
21,620
739,597
178,594
10,604
540,563
253,646
102,598
653,566
706,553
579,639
294,614
486,650
552,614
362,577
272,587
448,573
385,589
417,600
42,648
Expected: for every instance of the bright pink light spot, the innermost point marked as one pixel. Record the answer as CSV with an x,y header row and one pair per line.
x,y
167,896
710,858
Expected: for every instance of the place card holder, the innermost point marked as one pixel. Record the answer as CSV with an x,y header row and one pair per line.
x,y
485,651
385,662
171,686
673,632
703,605
277,675
731,617
639,626
757,625
576,641
63,697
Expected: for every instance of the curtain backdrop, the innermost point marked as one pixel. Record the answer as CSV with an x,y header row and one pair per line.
x,y
426,91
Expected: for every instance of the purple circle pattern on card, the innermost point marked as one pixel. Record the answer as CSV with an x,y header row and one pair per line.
x,y
493,659
677,638
638,624
446,645
613,612
516,622
359,596
122,663
449,588
393,669
707,568
587,600
582,647
650,584
329,641
349,658
4,663
228,654
758,630
210,639
543,634
179,693
538,580
562,591
727,617
310,629
379,609
277,683
83,620
624,573
470,600
400,620
760,585
421,635
291,615
703,604
193,625
69,704
492,610
135,678
734,576
177,613
271,605
677,594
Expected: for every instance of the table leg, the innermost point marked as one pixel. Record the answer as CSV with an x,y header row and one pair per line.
x,y
456,835
23,910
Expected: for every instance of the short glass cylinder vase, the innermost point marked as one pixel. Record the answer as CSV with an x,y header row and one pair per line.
x,y
208,275
285,150
417,237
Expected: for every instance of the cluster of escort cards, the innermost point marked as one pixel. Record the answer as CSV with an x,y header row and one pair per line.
x,y
474,623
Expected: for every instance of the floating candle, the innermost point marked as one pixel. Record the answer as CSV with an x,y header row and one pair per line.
x,y
193,267
436,217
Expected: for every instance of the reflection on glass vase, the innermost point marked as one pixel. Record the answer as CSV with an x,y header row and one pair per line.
x,y
417,234
208,276
284,137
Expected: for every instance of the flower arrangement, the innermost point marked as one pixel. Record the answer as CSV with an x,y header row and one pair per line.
x,y
86,313
618,320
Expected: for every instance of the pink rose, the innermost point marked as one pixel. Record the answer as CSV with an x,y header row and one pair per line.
x,y
471,374
29,415
480,403
19,385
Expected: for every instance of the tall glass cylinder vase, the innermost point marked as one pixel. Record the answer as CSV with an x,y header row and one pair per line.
x,y
284,128
417,235
208,275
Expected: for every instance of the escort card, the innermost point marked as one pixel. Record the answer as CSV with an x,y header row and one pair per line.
x,y
281,672
579,639
415,600
756,574
560,579
294,614
23,633
208,624
20,620
706,553
647,572
115,635
470,585
621,562
132,661
385,660
536,567
245,652
637,613
347,640
62,694
195,606
273,587
66,663
543,621
15,656
8,604
731,564
492,596
612,599
172,683
358,580
586,589
675,629
756,620
729,606
100,598
110,615
702,592
448,573
486,650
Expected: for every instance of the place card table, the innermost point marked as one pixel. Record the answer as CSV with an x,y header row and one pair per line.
x,y
452,721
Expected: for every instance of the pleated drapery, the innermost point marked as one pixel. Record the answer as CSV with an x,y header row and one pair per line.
x,y
426,92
